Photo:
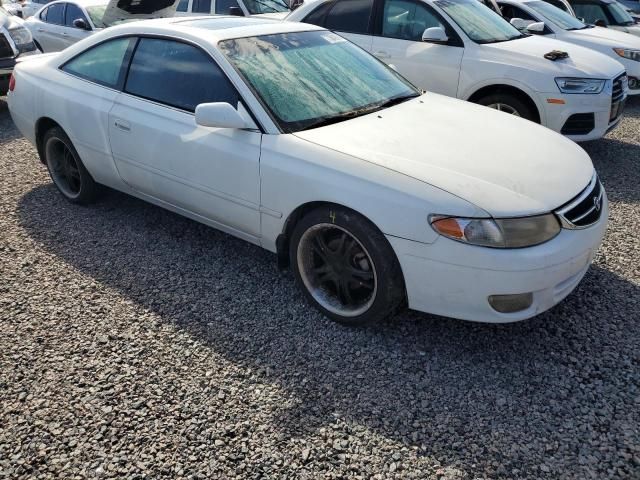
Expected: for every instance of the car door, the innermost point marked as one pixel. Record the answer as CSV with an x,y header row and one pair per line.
x,y
50,28
430,66
161,153
71,33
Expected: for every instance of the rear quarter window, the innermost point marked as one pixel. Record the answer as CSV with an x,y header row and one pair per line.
x,y
104,64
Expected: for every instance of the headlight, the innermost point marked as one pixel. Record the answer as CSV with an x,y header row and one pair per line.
x,y
580,85
628,53
20,36
498,233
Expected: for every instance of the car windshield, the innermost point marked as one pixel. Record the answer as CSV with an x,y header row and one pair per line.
x,y
96,13
620,15
256,7
559,17
481,24
312,79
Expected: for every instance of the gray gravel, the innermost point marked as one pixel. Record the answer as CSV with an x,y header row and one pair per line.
x,y
138,344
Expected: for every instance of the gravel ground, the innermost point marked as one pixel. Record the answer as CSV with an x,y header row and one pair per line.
x,y
138,344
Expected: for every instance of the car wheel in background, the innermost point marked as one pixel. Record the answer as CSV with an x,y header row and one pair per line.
x,y
345,266
508,103
66,169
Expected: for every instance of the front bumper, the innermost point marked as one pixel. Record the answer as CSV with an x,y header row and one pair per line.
x,y
452,279
599,106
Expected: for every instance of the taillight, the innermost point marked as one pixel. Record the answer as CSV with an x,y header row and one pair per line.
x,y
12,83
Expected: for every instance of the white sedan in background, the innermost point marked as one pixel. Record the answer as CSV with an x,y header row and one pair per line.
x,y
292,138
465,50
65,22
559,24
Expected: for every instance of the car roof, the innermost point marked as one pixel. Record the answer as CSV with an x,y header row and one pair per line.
x,y
216,27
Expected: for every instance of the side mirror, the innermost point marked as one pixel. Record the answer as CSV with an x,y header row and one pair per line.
x,y
219,115
81,24
519,23
536,27
236,12
435,35
293,4
601,23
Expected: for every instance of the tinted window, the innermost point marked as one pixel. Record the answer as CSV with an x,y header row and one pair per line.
x,y
55,14
511,11
104,64
222,6
407,20
73,13
201,6
558,4
317,16
591,12
350,16
178,75
183,6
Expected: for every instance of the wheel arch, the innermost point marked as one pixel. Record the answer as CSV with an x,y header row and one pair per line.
x,y
510,89
43,125
282,241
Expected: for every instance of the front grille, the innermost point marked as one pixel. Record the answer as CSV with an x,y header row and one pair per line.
x,y
579,124
618,97
619,87
585,209
5,47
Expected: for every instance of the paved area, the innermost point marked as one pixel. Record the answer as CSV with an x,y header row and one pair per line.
x,y
138,344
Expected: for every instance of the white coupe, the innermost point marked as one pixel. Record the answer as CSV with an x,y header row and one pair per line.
x,y
293,138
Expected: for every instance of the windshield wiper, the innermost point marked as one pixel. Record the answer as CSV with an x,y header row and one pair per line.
x,y
323,122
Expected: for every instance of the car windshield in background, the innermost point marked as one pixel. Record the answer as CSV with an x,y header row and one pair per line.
x,y
481,24
557,16
256,7
620,15
311,79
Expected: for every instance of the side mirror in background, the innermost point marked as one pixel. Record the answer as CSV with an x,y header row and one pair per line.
x,y
219,115
519,23
236,12
81,24
600,23
435,35
536,27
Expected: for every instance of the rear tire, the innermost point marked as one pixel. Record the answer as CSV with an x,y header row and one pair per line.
x,y
508,103
346,267
67,171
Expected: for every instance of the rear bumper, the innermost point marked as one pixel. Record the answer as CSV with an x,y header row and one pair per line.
x,y
452,279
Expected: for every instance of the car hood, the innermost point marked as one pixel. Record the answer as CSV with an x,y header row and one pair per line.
x,y
530,51
122,10
505,165
631,29
608,37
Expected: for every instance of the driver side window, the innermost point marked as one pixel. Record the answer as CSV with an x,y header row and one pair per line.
x,y
407,20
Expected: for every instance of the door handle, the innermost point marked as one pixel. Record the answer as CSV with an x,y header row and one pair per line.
x,y
382,54
122,125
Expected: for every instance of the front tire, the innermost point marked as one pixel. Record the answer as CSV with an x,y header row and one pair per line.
x,y
508,103
345,266
67,171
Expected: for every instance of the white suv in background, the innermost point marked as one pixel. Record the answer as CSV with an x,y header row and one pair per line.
x,y
462,49
558,24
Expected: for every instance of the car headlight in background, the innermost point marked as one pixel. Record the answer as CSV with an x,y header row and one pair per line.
x,y
498,233
580,85
628,53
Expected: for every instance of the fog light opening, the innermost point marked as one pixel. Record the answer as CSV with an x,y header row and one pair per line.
x,y
511,303
634,83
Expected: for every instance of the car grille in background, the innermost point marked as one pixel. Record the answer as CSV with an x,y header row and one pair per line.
x,y
618,96
5,47
579,124
584,210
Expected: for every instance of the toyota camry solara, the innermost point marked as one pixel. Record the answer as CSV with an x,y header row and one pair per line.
x,y
290,137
